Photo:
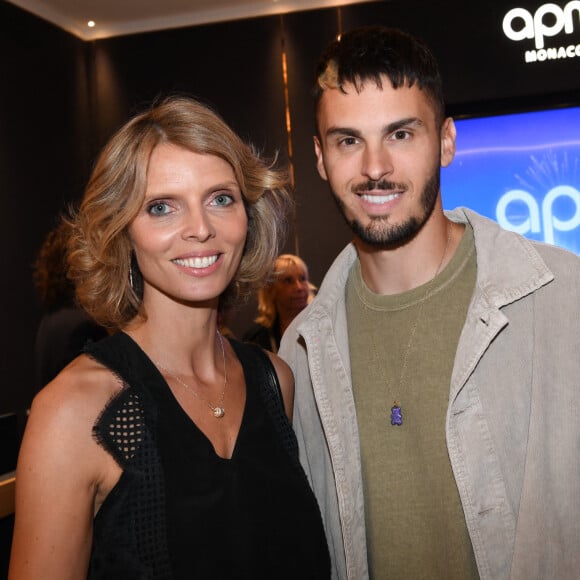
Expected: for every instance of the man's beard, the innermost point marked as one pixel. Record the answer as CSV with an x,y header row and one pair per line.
x,y
379,233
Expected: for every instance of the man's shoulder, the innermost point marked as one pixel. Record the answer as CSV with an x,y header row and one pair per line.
x,y
327,303
564,265
337,274
491,237
556,254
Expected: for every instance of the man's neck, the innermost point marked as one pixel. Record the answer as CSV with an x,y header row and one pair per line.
x,y
397,270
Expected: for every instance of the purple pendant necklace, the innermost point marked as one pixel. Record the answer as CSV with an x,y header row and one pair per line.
x,y
396,411
396,414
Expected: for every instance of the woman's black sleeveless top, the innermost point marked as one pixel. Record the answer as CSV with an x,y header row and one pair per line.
x,y
179,511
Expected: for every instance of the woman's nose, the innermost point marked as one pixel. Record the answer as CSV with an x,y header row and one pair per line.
x,y
198,225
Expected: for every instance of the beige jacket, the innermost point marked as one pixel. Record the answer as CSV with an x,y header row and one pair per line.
x,y
513,422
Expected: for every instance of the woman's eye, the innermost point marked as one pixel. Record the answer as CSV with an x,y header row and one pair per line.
x,y
223,199
158,208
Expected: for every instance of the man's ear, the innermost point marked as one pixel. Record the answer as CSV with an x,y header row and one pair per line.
x,y
319,159
448,136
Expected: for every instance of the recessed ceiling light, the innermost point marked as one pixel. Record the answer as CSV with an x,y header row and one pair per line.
x,y
91,23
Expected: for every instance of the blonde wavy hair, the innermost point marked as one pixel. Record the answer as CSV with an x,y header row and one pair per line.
x,y
266,305
99,249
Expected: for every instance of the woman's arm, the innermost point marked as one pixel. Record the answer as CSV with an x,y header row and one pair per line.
x,y
286,379
60,476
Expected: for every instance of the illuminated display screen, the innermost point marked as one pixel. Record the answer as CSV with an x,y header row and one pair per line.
x,y
521,170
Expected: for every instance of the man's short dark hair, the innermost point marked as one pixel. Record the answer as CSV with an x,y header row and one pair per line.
x,y
374,52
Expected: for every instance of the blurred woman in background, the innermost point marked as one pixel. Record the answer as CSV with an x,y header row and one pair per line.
x,y
287,292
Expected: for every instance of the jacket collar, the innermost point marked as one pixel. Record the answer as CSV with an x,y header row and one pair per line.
x,y
509,266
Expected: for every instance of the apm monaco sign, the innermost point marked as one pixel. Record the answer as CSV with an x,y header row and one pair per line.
x,y
549,21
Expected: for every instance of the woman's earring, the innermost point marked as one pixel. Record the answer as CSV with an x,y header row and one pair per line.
x,y
135,278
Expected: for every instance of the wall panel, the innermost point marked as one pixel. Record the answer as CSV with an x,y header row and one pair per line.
x,y
43,162
321,230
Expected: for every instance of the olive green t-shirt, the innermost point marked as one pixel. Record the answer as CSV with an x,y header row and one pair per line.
x,y
414,519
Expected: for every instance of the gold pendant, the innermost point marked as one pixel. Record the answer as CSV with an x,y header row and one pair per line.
x,y
218,412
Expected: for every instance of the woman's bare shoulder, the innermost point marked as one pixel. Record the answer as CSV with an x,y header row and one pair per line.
x,y
59,430
83,388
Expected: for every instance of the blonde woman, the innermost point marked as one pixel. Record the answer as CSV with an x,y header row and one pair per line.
x,y
287,293
165,451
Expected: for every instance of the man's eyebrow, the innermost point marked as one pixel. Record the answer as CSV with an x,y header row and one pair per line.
x,y
402,123
394,126
343,131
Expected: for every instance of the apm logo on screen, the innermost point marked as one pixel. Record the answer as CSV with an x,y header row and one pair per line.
x,y
521,170
549,20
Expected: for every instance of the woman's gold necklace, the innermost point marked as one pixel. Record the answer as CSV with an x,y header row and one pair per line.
x,y
217,410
